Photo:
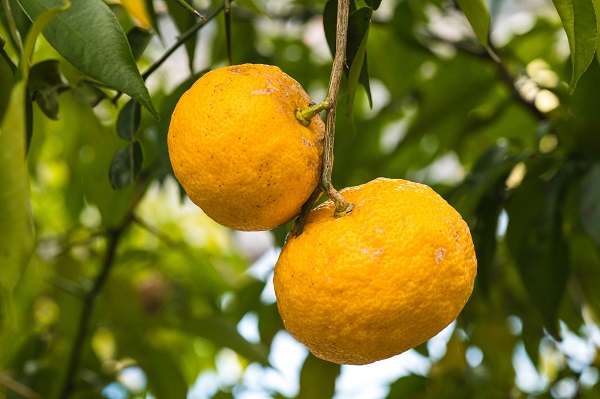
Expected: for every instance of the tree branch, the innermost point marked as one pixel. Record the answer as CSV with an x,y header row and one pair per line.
x,y
89,299
342,207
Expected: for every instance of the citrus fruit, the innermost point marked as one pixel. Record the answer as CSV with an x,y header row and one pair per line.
x,y
383,279
238,151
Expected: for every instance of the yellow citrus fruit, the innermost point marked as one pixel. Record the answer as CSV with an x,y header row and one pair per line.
x,y
239,152
383,279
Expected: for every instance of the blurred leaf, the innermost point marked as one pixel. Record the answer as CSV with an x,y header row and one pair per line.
x,y
126,165
223,332
184,20
269,323
478,15
536,240
105,57
412,386
356,47
579,21
374,4
88,93
139,11
589,205
138,39
45,84
17,236
317,378
128,121
585,258
256,6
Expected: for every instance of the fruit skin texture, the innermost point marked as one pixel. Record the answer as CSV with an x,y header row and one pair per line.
x,y
379,281
239,152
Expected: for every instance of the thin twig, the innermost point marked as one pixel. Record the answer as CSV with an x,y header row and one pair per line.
x,y
17,387
180,41
342,207
89,300
88,309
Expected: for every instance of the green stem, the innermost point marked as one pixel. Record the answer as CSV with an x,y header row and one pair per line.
x,y
342,207
305,115
12,26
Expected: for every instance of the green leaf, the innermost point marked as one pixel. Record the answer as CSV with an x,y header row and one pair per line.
x,y
478,15
589,203
223,332
45,84
184,21
126,166
128,121
411,386
537,243
138,39
579,22
88,93
317,378
256,6
596,4
356,48
105,57
17,237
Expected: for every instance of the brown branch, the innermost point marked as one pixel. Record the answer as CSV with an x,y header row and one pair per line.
x,y
342,207
114,237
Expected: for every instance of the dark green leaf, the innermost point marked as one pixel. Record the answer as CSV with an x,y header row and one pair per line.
x,y
356,47
126,166
408,387
223,332
585,258
17,237
88,93
478,15
138,39
374,4
589,205
536,240
105,57
579,21
184,21
45,84
128,121
317,378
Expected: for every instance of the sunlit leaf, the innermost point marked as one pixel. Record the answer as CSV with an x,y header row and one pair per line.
x,y
17,237
478,15
579,22
105,57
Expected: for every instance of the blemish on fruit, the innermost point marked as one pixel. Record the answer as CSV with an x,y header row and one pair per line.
x,y
439,254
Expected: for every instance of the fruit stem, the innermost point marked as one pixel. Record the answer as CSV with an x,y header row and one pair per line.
x,y
342,207
305,115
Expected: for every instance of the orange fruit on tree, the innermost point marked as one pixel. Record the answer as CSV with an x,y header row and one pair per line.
x,y
381,280
238,150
